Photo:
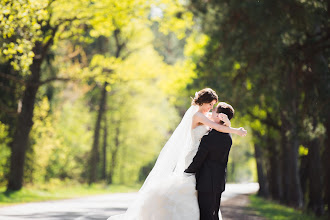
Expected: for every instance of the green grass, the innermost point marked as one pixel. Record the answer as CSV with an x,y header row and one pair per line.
x,y
274,211
55,192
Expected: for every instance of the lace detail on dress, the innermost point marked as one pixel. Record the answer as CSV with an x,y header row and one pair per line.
x,y
196,135
198,132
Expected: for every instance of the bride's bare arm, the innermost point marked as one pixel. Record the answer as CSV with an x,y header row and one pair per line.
x,y
199,117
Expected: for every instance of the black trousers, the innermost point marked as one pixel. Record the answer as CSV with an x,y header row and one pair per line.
x,y
209,205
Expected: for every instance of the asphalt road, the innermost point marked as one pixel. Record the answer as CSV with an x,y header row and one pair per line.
x,y
93,207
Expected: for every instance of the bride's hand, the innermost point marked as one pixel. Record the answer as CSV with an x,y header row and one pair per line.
x,y
223,117
227,124
241,132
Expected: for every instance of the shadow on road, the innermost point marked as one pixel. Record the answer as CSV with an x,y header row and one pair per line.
x,y
94,214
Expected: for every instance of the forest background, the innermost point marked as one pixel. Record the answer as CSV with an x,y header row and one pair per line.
x,y
91,90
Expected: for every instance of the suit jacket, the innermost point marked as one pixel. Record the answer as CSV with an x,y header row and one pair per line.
x,y
210,162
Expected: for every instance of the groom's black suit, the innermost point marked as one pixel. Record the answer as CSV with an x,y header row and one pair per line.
x,y
210,165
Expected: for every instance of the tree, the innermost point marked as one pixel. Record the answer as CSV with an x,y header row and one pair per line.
x,y
34,28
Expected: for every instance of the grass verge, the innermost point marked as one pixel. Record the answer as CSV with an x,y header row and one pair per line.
x,y
65,191
274,211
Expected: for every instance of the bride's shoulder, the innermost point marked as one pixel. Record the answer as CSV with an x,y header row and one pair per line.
x,y
198,114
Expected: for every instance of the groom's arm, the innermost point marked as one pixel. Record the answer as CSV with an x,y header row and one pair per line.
x,y
198,159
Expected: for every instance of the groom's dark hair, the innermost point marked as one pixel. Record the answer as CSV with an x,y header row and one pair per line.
x,y
225,108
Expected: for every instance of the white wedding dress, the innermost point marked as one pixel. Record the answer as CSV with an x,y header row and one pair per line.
x,y
171,196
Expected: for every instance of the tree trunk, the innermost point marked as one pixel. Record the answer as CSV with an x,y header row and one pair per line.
x,y
294,187
286,176
263,185
326,160
292,194
304,174
315,202
114,153
105,136
95,155
274,174
25,122
320,68
291,120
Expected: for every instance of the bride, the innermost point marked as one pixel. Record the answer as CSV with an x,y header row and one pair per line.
x,y
168,193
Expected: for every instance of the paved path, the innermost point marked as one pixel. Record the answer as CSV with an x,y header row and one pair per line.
x,y
237,209
94,207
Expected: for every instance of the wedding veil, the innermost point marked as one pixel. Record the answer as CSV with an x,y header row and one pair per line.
x,y
171,161
172,157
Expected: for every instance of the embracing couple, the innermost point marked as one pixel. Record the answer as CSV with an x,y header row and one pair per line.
x,y
200,145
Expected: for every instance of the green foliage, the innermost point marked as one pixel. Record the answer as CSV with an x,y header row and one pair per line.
x,y
68,158
274,211
19,29
303,151
60,148
195,47
112,15
175,17
144,117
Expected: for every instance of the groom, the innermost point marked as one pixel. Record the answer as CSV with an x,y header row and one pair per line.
x,y
210,164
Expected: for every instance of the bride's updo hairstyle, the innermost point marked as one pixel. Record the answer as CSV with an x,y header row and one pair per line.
x,y
206,95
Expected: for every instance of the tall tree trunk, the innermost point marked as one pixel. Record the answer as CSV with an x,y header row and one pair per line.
x,y
320,68
263,184
294,187
294,192
315,202
95,155
285,179
114,153
94,160
286,176
105,143
274,174
122,174
326,161
304,174
25,122
279,191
